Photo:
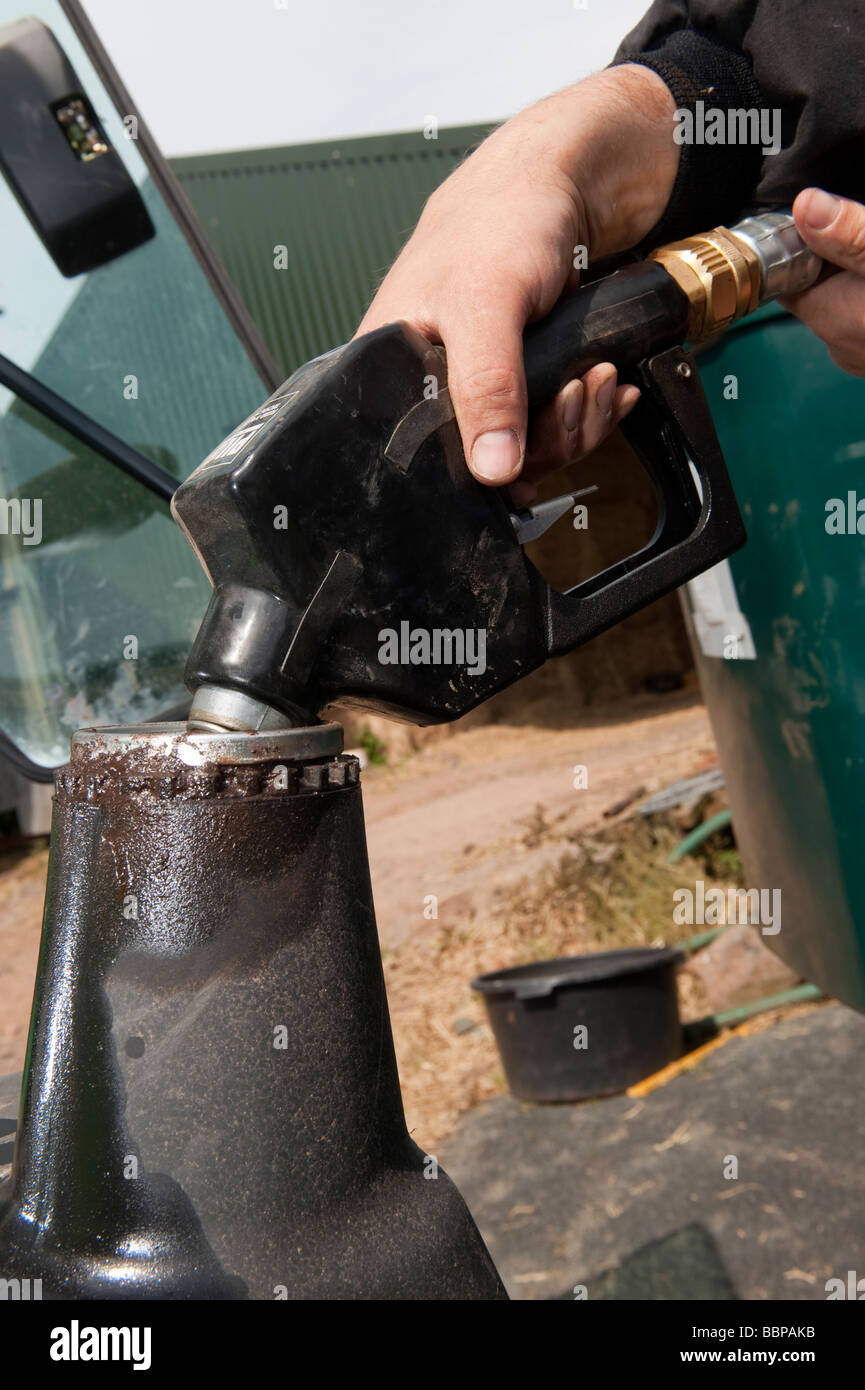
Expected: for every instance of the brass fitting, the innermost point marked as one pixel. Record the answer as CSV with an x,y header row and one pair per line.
x,y
721,275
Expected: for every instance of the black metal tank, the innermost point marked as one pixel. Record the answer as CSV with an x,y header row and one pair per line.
x,y
211,1106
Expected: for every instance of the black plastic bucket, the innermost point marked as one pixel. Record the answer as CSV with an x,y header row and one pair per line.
x,y
584,1025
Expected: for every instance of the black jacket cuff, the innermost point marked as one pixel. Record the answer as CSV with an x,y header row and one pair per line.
x,y
714,183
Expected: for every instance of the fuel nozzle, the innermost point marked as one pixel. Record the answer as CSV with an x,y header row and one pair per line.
x,y
730,272
341,518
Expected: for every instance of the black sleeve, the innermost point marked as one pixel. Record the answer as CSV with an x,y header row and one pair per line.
x,y
803,61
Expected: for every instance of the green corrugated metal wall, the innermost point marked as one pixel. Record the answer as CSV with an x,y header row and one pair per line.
x,y
342,209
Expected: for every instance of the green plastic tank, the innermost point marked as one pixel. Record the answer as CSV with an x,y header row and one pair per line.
x,y
779,637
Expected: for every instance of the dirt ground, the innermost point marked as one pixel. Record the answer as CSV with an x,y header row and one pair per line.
x,y
455,821
457,832
22,891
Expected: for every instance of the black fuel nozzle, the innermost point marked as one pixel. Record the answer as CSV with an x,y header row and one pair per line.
x,y
353,556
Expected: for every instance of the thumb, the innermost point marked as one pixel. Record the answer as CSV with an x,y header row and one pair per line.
x,y
487,384
833,227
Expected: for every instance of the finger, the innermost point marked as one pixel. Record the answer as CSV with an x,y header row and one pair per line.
x,y
599,406
394,307
522,493
601,426
487,384
852,363
626,399
833,227
554,431
834,311
572,425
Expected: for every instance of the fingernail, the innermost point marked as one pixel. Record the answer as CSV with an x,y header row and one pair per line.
x,y
606,394
572,407
496,455
821,209
627,403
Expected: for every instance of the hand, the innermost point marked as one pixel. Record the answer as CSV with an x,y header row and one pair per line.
x,y
835,310
494,249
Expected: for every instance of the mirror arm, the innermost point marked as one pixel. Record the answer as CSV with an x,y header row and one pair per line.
x,y
89,431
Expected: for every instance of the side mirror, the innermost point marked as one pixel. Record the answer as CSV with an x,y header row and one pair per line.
x,y
119,373
57,159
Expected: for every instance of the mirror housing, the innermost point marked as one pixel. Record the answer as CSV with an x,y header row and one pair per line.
x,y
57,159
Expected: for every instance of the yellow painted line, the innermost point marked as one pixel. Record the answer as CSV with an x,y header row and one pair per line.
x,y
693,1059
683,1064
755,1024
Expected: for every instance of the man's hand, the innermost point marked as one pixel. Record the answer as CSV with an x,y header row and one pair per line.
x,y
835,229
495,247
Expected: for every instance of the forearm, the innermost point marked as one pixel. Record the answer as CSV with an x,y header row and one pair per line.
x,y
608,139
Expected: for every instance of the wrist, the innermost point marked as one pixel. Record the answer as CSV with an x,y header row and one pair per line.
x,y
611,138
